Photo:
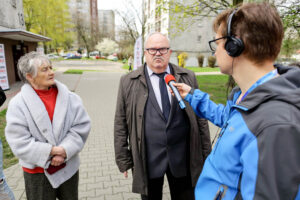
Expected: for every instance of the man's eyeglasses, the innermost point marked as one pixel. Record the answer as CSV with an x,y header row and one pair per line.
x,y
213,45
153,51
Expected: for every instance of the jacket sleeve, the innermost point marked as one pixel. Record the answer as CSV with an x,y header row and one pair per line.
x,y
205,108
22,143
79,131
122,153
203,129
271,164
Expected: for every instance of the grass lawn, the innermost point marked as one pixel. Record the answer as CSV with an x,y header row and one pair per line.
x,y
126,66
79,71
203,69
9,158
194,69
215,86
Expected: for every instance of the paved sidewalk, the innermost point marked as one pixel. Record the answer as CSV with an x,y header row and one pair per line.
x,y
99,176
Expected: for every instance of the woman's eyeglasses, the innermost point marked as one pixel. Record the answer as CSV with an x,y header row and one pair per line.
x,y
213,44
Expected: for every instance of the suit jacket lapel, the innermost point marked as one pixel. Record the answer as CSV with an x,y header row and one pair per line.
x,y
173,99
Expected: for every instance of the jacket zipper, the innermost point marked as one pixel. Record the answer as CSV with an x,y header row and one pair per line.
x,y
223,129
220,135
220,194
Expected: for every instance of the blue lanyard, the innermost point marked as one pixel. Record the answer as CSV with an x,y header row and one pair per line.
x,y
262,80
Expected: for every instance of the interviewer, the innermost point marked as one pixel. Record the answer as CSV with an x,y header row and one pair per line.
x,y
257,152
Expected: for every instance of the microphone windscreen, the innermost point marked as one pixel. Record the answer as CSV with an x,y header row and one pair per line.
x,y
169,78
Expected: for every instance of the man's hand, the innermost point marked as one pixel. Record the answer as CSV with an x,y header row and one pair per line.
x,y
126,174
182,88
57,160
57,150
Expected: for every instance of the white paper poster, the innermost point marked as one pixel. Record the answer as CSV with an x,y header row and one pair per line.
x,y
138,53
3,71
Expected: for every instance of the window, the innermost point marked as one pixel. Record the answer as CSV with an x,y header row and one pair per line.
x,y
13,3
199,38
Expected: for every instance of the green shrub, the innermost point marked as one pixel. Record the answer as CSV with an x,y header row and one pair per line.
x,y
211,61
200,58
181,59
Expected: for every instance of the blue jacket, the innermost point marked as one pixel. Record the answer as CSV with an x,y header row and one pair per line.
x,y
257,154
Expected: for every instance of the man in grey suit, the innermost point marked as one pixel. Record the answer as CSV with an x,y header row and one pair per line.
x,y
153,136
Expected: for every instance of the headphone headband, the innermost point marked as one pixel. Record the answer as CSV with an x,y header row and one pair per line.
x,y
233,46
229,22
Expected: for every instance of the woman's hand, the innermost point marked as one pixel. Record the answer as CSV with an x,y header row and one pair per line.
x,y
126,174
57,160
182,88
57,150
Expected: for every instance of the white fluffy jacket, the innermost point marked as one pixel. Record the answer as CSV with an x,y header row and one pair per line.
x,y
31,134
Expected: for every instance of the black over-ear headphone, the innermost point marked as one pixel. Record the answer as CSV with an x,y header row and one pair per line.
x,y
234,46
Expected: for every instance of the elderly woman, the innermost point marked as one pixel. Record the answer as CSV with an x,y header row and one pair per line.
x,y
46,129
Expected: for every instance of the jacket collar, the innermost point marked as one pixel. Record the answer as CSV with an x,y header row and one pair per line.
x,y
140,72
285,88
37,109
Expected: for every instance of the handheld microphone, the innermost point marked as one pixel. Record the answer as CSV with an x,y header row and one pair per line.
x,y
169,79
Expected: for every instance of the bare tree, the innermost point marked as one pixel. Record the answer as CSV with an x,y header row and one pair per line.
x,y
131,18
132,25
84,35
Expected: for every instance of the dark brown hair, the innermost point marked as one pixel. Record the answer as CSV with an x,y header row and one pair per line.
x,y
259,26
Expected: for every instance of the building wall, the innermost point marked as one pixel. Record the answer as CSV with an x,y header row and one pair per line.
x,y
106,19
80,10
193,40
11,14
94,19
8,48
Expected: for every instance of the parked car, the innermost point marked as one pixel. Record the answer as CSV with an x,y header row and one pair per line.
x,y
73,56
94,54
52,56
112,57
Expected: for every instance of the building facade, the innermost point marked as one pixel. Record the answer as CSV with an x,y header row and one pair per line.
x,y
84,15
15,41
193,40
106,20
94,20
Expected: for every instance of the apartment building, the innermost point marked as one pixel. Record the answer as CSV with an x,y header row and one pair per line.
x,y
192,40
84,13
106,20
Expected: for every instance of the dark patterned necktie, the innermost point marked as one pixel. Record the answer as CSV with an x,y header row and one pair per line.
x,y
165,102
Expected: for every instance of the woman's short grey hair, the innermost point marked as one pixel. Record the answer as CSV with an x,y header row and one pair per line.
x,y
29,63
154,33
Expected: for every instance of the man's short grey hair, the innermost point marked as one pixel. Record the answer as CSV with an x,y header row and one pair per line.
x,y
29,63
154,33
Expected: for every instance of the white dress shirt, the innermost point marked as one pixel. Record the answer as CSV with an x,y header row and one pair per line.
x,y
155,85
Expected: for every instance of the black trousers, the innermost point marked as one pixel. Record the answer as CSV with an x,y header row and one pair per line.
x,y
180,188
38,187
